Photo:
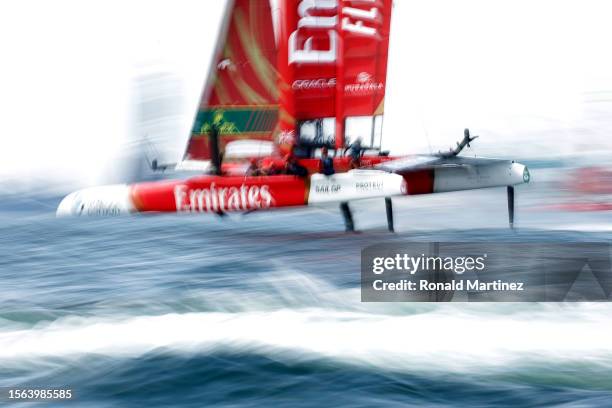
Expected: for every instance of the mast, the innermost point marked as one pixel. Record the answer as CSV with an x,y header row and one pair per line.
x,y
287,134
340,83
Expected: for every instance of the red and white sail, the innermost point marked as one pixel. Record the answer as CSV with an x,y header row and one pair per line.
x,y
242,89
333,68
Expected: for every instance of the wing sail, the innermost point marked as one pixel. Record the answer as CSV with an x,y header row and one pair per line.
x,y
333,68
242,89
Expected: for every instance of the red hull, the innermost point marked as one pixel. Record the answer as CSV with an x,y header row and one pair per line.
x,y
240,193
220,194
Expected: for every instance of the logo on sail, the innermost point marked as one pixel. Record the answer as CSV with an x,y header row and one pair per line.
x,y
320,83
226,64
364,84
364,77
317,26
287,137
218,118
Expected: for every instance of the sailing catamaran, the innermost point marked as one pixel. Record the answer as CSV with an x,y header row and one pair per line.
x,y
315,83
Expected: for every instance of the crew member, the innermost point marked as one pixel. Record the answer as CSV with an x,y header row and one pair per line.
x,y
215,153
254,168
355,154
327,163
271,167
292,166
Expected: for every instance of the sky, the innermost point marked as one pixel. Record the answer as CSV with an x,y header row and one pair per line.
x,y
521,72
532,77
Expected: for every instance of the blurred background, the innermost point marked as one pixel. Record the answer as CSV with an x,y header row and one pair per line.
x,y
84,83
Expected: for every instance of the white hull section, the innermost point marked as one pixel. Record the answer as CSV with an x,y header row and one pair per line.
x,y
354,185
458,178
104,201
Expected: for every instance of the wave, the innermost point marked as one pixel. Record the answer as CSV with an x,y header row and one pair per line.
x,y
444,339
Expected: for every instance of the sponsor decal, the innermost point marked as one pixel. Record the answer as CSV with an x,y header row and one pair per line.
x,y
215,199
328,188
225,128
364,77
237,119
99,208
358,21
316,25
226,64
364,85
286,137
369,186
364,88
218,118
526,176
321,83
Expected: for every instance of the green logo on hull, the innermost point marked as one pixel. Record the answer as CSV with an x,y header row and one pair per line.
x,y
526,175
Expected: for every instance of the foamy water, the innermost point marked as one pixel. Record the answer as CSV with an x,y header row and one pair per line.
x,y
445,339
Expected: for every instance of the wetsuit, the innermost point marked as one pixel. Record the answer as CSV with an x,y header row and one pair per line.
x,y
327,163
355,154
215,153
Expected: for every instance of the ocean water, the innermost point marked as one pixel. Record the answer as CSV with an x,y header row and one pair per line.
x,y
264,310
